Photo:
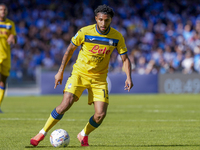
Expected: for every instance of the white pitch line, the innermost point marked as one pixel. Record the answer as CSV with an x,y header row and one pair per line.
x,y
162,120
72,120
38,119
117,111
171,111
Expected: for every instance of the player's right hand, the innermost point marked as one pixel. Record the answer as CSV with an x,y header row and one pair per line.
x,y
128,84
58,79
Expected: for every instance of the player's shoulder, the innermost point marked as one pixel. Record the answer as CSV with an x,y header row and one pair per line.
x,y
116,32
9,21
87,28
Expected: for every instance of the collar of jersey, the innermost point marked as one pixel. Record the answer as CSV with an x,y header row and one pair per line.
x,y
3,20
102,33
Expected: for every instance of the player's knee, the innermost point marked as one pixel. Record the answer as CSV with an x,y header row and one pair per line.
x,y
66,103
103,115
98,117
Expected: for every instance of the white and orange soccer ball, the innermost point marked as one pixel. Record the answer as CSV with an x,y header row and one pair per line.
x,y
59,138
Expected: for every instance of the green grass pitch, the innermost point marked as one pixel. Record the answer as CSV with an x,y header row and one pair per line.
x,y
139,122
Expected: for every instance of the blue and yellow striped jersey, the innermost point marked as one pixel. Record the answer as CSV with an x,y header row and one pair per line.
x,y
7,27
96,48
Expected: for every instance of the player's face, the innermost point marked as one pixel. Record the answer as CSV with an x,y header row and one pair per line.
x,y
3,12
103,22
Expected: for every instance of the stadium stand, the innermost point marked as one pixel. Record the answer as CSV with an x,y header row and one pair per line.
x,y
161,36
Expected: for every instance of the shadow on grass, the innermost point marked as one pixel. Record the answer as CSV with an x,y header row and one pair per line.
x,y
50,147
177,145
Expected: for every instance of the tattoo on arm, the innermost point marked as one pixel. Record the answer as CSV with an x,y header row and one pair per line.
x,y
67,56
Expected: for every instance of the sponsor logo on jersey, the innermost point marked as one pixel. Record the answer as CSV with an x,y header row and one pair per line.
x,y
4,32
92,39
98,50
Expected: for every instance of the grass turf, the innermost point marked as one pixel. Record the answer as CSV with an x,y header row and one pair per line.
x,y
133,122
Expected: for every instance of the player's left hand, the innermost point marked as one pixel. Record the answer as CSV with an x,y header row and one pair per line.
x,y
128,84
11,40
58,79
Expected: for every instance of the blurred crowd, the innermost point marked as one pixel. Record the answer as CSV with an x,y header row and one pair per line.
x,y
161,36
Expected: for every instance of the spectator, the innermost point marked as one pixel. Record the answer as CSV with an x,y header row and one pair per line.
x,y
47,62
187,63
152,29
141,66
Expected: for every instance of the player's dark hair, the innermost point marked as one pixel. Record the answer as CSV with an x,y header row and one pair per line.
x,y
105,10
2,4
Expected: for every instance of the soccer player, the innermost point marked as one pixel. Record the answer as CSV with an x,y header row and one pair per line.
x,y
89,72
7,37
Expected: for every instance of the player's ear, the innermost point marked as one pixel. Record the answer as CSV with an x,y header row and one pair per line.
x,y
96,18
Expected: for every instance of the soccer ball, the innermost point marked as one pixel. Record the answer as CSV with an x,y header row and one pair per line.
x,y
59,138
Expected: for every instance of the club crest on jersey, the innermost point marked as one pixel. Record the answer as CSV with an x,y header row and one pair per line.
x,y
69,86
98,50
8,27
111,42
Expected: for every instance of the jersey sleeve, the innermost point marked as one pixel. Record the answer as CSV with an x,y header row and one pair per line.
x,y
13,30
121,46
78,39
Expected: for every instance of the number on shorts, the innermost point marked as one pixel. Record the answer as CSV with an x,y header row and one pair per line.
x,y
104,93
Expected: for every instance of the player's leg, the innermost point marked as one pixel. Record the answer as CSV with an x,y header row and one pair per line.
x,y
58,112
72,92
98,95
94,122
3,79
55,116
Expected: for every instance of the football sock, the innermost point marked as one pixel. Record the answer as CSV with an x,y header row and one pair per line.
x,y
43,132
90,126
2,90
52,120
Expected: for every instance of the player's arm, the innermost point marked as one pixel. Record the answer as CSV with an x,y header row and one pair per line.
x,y
12,39
127,68
67,56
